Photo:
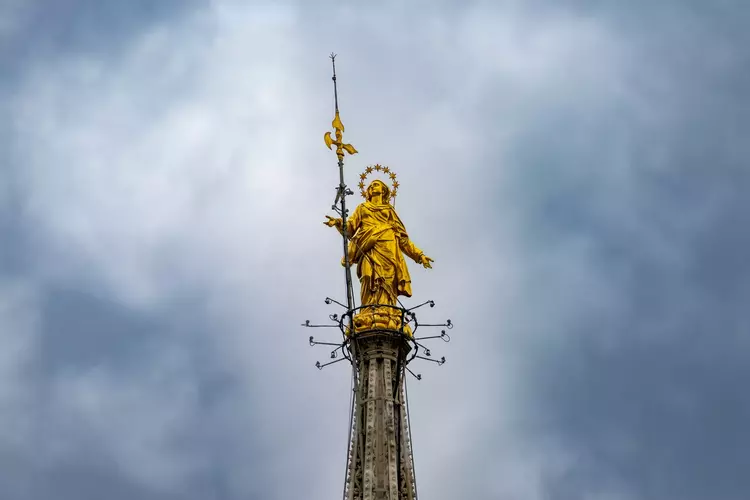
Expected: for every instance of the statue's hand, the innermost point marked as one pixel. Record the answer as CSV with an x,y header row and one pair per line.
x,y
425,261
331,222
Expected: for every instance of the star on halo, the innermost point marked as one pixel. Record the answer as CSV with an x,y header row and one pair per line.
x,y
378,168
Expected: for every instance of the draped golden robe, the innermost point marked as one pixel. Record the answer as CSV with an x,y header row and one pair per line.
x,y
377,246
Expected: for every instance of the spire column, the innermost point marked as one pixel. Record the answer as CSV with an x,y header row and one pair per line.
x,y
380,462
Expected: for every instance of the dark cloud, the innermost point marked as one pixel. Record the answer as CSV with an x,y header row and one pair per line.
x,y
85,479
651,395
82,331
89,405
645,390
14,256
627,198
49,30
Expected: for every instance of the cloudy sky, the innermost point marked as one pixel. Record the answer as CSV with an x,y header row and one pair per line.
x,y
578,170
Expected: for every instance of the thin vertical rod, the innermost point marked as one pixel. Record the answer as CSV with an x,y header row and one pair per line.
x,y
349,286
335,90
347,264
411,442
399,413
342,193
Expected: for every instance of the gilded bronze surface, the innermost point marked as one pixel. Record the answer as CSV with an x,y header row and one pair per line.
x,y
378,244
338,127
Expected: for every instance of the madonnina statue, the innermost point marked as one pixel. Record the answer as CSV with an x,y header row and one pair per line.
x,y
377,246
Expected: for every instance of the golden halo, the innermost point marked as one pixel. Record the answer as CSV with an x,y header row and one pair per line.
x,y
378,168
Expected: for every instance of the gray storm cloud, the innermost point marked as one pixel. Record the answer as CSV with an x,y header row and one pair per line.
x,y
576,176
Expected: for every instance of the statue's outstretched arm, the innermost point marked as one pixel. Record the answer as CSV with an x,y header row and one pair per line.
x,y
352,223
413,252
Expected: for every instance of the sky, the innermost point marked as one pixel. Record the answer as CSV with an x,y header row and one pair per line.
x,y
578,171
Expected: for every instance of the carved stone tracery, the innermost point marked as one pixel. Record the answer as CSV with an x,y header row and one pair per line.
x,y
380,463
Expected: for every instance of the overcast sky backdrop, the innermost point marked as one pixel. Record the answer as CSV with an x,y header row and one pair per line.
x,y
578,170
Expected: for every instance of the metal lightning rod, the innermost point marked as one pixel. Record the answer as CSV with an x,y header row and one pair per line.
x,y
342,191
341,195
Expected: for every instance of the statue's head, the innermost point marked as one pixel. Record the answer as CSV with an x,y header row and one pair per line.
x,y
378,187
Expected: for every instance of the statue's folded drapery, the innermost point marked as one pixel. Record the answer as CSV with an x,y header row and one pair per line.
x,y
378,244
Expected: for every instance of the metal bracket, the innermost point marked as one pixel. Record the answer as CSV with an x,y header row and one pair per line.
x,y
308,325
320,367
439,363
448,324
329,300
314,342
431,302
417,376
443,336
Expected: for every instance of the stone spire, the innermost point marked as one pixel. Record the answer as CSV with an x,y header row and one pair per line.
x,y
378,335
380,462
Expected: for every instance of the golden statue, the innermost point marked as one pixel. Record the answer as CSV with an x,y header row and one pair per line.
x,y
378,242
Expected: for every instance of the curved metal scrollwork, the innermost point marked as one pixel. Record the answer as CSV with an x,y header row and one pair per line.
x,y
344,323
